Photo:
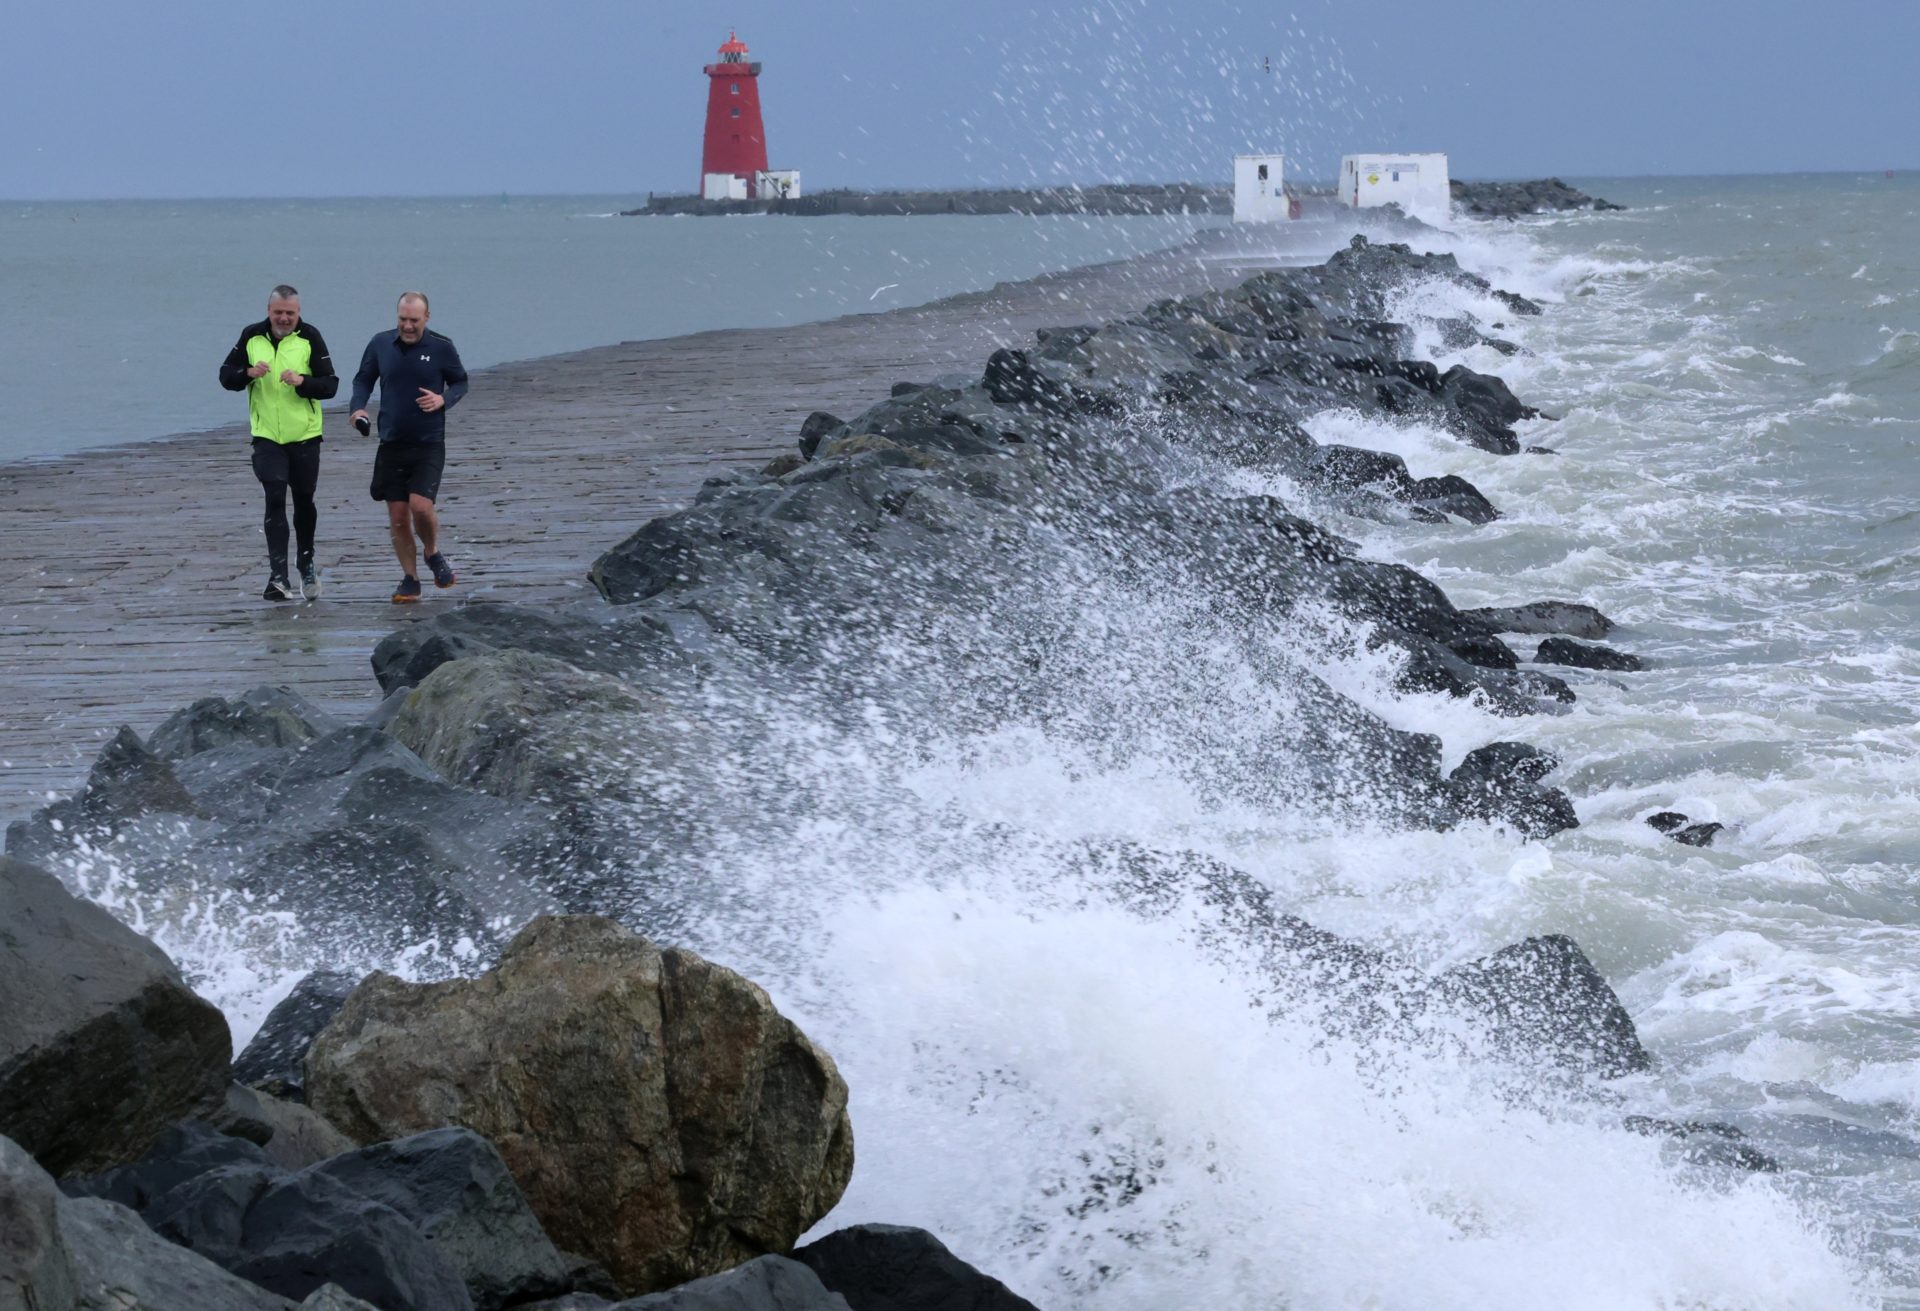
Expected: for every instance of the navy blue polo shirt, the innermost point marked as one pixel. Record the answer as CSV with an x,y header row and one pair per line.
x,y
402,370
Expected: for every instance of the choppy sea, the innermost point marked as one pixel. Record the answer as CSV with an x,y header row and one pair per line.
x,y
1083,1105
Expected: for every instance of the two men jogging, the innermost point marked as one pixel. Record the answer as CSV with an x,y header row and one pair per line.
x,y
284,367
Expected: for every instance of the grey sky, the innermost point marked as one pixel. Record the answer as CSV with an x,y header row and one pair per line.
x,y
107,98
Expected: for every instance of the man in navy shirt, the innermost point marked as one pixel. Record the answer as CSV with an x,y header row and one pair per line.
x,y
420,376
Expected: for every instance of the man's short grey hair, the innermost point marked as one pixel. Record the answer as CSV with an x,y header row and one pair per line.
x,y
420,296
283,292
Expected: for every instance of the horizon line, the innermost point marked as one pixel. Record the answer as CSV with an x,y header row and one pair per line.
x,y
1002,186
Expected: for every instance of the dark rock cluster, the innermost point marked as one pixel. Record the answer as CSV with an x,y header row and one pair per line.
x,y
1104,198
1512,199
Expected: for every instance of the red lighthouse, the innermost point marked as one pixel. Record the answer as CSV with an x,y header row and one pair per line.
x,y
736,140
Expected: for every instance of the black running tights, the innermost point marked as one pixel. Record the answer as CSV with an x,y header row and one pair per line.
x,y
280,468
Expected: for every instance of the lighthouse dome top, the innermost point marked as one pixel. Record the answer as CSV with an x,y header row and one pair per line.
x,y
734,47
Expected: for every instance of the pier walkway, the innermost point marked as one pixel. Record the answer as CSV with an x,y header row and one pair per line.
x,y
130,578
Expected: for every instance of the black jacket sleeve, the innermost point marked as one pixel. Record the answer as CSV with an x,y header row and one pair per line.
x,y
368,375
322,382
233,369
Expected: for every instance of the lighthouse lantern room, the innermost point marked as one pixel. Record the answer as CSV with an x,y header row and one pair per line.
x,y
736,142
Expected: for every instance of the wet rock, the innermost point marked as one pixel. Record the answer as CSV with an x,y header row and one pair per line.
x,y
1431,667
894,1268
769,1283
1675,825
1501,782
1548,1000
307,1230
262,717
332,1297
1539,1002
275,1060
1512,199
1580,655
1350,466
1481,409
407,655
127,782
1704,1142
183,1152
564,742
720,1134
1454,495
1698,835
124,1264
243,1115
300,1136
1567,617
102,1044
1480,649
36,1267
452,1185
817,427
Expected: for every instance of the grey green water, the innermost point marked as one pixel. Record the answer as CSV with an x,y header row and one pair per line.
x,y
115,314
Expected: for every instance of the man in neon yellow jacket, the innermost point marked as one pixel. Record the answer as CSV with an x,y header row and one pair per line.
x,y
283,366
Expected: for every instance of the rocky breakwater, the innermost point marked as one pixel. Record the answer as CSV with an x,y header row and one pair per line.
x,y
1050,543
1057,542
1104,199
1513,199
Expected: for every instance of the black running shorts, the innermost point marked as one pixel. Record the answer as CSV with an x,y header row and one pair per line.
x,y
403,469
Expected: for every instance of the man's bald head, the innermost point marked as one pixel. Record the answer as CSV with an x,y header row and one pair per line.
x,y
413,314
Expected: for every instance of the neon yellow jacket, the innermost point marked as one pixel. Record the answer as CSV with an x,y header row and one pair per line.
x,y
281,413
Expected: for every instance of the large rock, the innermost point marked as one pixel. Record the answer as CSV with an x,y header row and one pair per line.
x,y
532,727
36,1267
86,1254
453,1186
658,1113
102,1044
770,1283
1512,199
894,1268
1548,1000
276,1060
185,1151
402,1223
125,1266
127,782
1581,655
262,717
1568,617
1501,781
294,1234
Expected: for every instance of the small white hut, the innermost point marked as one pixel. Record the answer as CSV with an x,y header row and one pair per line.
x,y
1259,188
777,184
1416,183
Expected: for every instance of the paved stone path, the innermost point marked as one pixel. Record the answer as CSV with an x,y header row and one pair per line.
x,y
130,578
